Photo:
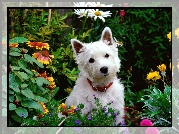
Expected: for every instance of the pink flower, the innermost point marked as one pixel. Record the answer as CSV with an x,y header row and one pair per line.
x,y
146,122
152,130
122,13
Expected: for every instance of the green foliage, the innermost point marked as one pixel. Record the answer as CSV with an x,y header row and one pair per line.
x,y
157,106
100,116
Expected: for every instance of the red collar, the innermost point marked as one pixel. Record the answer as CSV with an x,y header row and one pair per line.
x,y
101,89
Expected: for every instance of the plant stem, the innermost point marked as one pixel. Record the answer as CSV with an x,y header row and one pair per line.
x,y
84,24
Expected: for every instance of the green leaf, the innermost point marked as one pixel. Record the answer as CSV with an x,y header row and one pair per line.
x,y
14,86
15,54
22,112
11,98
11,92
28,93
40,99
20,77
16,49
32,104
28,58
18,40
12,106
37,62
22,64
24,75
17,118
19,96
41,80
28,71
24,86
15,68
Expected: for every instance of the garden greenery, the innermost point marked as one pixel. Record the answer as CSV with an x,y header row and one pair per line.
x,y
42,70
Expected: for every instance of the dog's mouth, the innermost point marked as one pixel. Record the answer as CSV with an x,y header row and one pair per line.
x,y
106,74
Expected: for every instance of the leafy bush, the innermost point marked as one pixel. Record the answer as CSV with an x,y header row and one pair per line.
x,y
157,106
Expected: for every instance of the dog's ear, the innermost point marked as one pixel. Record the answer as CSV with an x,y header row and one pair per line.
x,y
106,36
77,46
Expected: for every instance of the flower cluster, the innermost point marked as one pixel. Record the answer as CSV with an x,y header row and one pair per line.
x,y
93,13
65,111
42,56
38,45
153,75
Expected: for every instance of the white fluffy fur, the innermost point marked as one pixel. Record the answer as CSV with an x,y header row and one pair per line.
x,y
83,92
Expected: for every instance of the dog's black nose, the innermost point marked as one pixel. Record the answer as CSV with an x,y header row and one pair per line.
x,y
104,70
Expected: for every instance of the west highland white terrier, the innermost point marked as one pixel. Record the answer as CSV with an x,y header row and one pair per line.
x,y
98,63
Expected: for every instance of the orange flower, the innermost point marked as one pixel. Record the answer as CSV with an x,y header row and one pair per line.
x,y
13,45
43,57
44,108
38,45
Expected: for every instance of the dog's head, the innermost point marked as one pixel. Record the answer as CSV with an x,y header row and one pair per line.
x,y
97,60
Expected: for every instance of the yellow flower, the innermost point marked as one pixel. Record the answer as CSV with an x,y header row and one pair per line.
x,y
153,75
72,107
13,45
169,36
51,80
62,106
44,108
177,33
162,67
43,57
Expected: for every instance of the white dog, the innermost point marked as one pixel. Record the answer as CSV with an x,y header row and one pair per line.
x,y
98,63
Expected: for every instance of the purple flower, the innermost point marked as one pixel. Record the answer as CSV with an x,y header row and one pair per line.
x,y
104,108
77,122
106,113
22,115
115,114
122,123
76,109
94,95
89,117
111,102
50,114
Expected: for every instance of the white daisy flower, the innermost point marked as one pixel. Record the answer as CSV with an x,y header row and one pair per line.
x,y
81,12
98,4
98,14
79,4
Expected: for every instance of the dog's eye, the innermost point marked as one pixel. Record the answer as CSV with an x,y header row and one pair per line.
x,y
107,55
91,60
